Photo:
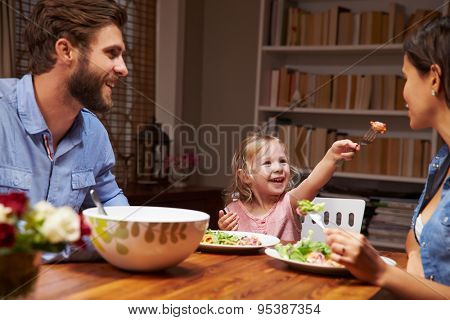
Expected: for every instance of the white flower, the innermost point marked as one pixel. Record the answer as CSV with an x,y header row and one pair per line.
x,y
63,225
43,210
5,215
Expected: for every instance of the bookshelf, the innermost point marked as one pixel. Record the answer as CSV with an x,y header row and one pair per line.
x,y
294,45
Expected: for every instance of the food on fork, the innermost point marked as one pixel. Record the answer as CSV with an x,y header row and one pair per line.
x,y
224,238
378,127
306,206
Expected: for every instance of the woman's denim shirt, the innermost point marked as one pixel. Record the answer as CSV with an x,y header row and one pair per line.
x,y
435,239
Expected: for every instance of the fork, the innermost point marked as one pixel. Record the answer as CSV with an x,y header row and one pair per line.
x,y
317,218
368,138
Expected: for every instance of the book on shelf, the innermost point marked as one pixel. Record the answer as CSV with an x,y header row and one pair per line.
x,y
404,212
345,36
389,92
393,155
318,146
396,22
397,221
277,22
346,91
390,225
274,84
385,232
293,26
284,87
333,32
376,99
339,92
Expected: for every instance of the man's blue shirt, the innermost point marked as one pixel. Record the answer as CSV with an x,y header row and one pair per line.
x,y
83,159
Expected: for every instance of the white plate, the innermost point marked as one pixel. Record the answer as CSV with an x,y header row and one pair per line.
x,y
309,267
266,241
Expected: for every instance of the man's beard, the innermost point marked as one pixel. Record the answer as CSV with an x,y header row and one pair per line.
x,y
86,86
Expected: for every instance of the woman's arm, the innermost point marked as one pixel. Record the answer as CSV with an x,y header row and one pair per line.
x,y
356,253
322,173
410,286
414,265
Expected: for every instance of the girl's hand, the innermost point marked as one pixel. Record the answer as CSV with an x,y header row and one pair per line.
x,y
229,221
343,149
355,252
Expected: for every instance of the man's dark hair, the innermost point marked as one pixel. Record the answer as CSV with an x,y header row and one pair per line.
x,y
76,20
431,45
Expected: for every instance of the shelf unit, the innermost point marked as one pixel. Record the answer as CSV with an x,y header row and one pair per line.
x,y
337,59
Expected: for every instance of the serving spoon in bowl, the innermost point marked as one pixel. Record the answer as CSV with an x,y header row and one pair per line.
x,y
97,202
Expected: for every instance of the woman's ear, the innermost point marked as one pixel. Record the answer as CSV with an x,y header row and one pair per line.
x,y
65,52
435,73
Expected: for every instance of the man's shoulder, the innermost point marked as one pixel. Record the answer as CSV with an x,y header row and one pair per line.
x,y
7,85
92,123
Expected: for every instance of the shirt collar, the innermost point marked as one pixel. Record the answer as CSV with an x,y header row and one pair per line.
x,y
29,111
31,115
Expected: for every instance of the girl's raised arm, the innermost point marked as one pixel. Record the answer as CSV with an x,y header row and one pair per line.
x,y
322,173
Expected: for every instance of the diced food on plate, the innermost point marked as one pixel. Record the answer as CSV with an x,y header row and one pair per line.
x,y
224,238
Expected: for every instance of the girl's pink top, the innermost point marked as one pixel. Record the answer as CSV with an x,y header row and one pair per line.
x,y
281,221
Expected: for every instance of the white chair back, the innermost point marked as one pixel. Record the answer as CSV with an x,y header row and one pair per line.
x,y
346,214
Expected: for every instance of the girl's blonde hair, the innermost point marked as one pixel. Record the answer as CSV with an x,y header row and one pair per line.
x,y
242,159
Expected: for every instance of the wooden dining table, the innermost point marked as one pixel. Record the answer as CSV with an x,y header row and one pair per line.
x,y
203,276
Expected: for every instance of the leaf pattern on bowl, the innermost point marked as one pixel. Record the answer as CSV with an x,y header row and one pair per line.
x,y
163,233
173,232
101,229
121,249
182,231
118,231
121,231
150,234
102,232
135,229
95,239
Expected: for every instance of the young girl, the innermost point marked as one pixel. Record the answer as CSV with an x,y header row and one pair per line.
x,y
262,198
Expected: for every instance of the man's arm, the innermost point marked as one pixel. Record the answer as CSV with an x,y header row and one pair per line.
x,y
106,186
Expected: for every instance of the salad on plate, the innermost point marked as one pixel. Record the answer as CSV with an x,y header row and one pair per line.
x,y
308,251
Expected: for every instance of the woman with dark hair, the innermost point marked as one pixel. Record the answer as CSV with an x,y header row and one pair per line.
x,y
426,67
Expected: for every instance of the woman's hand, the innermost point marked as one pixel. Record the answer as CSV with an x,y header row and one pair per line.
x,y
356,253
229,221
343,149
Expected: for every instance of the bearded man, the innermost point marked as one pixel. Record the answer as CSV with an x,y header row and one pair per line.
x,y
51,146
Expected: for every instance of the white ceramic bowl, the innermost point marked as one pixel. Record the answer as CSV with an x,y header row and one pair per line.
x,y
146,238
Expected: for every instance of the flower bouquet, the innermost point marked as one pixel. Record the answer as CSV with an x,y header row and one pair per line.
x,y
26,231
